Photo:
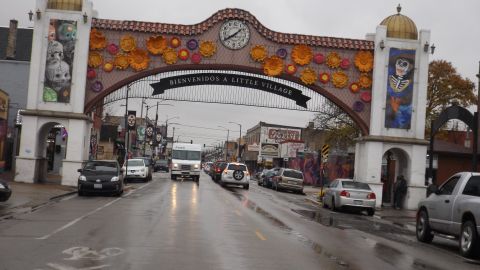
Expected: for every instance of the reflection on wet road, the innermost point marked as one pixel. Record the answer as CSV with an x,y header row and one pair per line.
x,y
169,224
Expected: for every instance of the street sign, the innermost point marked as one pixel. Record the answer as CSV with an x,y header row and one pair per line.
x,y
325,151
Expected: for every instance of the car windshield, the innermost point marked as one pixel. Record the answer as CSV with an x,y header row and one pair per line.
x,y
145,159
355,185
293,174
101,166
186,155
161,162
236,167
135,162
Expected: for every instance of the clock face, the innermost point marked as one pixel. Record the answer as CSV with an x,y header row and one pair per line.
x,y
234,34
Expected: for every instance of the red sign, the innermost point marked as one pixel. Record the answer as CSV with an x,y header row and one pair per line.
x,y
283,134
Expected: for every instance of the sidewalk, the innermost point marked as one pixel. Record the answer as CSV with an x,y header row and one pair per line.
x,y
404,218
26,196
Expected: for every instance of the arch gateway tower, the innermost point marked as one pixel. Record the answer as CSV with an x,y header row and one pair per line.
x,y
78,60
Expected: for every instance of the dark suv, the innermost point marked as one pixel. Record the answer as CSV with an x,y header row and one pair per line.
x,y
216,170
161,165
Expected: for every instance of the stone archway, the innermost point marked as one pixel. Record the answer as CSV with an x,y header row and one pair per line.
x,y
51,150
395,162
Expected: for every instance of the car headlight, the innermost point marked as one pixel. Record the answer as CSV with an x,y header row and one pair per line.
x,y
175,165
82,178
142,170
114,179
2,186
196,166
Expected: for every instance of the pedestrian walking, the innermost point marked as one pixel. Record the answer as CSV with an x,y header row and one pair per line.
x,y
400,190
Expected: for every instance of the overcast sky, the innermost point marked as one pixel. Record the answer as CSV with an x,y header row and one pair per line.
x,y
454,26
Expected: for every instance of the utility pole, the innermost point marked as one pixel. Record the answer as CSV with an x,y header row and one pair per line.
x,y
127,132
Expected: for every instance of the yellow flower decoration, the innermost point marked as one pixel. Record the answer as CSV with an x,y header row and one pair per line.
x,y
339,79
121,61
139,59
95,59
364,61
302,54
365,81
333,60
108,66
273,66
127,43
156,44
170,56
207,48
258,53
308,76
97,40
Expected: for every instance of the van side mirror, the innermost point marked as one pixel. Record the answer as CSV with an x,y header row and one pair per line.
x,y
80,170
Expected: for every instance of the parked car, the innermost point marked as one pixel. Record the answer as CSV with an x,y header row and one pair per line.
x,y
266,180
161,165
207,166
235,174
347,193
136,169
288,179
149,163
216,170
103,176
5,191
453,209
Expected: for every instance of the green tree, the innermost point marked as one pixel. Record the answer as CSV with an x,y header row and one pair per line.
x,y
445,88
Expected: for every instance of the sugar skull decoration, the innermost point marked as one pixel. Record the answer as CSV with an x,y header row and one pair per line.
x,y
59,61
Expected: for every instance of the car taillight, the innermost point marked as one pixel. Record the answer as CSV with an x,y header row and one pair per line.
x,y
371,196
344,193
218,169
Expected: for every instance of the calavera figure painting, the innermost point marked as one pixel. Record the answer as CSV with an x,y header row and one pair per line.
x,y
59,61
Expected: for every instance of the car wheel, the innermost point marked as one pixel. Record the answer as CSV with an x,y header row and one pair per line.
x,y
370,211
258,182
469,246
423,231
247,186
80,193
173,177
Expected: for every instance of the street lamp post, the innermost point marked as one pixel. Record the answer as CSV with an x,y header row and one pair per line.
x,y
226,143
239,139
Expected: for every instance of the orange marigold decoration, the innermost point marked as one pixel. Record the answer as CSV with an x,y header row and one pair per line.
x,y
333,60
207,48
364,61
258,53
339,79
183,54
108,66
95,59
139,59
273,66
308,76
175,42
156,44
302,54
121,61
324,77
170,56
290,69
97,40
354,87
127,43
365,81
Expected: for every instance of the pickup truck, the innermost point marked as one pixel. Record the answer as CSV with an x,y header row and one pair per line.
x,y
453,209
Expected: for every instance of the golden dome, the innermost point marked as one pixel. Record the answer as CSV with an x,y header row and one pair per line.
x,y
75,5
400,26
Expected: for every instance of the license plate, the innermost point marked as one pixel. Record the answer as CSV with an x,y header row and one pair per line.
x,y
291,182
99,186
185,173
358,202
132,171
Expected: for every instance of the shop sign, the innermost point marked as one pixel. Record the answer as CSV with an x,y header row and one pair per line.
x,y
3,105
269,149
253,147
282,134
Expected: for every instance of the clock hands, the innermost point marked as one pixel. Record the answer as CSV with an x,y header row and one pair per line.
x,y
232,35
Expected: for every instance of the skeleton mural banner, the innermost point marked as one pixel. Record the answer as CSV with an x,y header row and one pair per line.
x,y
398,113
149,133
131,119
58,68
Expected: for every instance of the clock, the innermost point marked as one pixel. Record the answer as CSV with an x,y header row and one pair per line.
x,y
234,34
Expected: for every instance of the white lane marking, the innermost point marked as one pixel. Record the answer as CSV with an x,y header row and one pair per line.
x,y
260,236
71,223
78,253
58,266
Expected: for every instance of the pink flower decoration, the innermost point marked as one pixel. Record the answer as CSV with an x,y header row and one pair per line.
x,y
112,49
196,58
319,58
345,63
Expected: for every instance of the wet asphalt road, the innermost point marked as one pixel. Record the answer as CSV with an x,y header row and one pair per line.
x,y
168,224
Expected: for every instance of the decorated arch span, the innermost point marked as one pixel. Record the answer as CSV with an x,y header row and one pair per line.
x,y
80,62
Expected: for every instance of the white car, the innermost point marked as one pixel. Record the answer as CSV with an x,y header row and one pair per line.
x,y
136,169
235,174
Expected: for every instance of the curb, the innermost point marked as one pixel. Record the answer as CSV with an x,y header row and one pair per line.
x,y
62,195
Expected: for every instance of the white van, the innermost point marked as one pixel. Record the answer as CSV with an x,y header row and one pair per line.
x,y
186,161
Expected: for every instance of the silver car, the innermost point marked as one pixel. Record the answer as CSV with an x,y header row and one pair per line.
x,y
235,174
347,193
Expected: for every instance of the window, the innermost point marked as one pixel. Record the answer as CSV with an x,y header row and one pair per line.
x,y
449,186
101,166
355,185
236,167
293,174
135,162
186,155
333,184
473,187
